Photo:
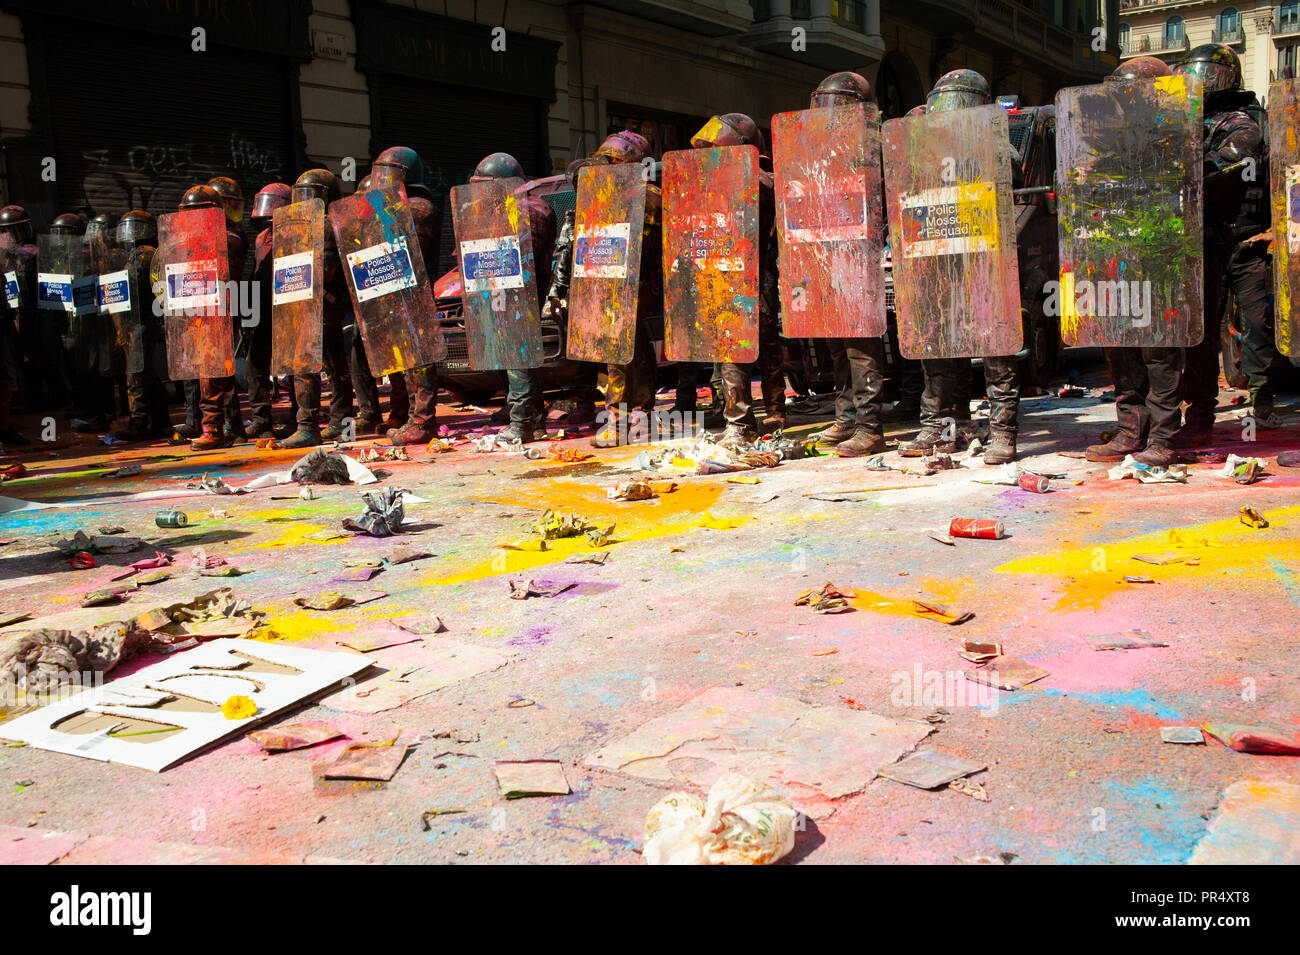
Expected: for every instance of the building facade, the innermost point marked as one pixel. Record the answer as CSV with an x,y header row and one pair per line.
x,y
107,105
1265,33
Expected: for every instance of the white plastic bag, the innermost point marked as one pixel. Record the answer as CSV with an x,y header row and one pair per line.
x,y
745,822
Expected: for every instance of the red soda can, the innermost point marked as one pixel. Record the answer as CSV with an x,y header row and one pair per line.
x,y
1035,482
977,528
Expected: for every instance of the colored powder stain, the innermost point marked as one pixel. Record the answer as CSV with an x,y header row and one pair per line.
x,y
1094,573
1289,583
1175,828
1132,701
669,514
305,625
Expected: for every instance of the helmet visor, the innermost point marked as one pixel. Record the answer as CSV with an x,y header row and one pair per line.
x,y
1213,76
716,133
944,100
265,203
135,232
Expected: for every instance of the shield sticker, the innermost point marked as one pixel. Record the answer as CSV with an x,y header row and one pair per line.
x,y
298,288
828,204
710,199
494,243
1129,182
190,271
948,191
390,290
1284,174
608,224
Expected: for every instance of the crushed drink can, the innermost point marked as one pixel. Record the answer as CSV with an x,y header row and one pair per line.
x,y
171,519
977,528
1035,482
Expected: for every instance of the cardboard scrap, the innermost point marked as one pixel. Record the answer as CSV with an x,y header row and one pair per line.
x,y
1256,738
422,623
1258,823
930,769
597,558
374,761
521,589
1127,640
530,777
825,599
978,651
91,723
1181,734
413,671
1006,673
784,741
280,739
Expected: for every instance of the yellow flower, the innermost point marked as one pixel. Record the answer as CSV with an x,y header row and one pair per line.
x,y
238,708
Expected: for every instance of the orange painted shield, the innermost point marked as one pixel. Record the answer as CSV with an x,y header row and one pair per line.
x,y
1284,174
710,201
190,271
607,241
830,204
948,190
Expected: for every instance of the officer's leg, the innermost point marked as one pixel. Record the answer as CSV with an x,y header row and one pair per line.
x,y
422,427
865,358
1200,389
1002,380
1251,278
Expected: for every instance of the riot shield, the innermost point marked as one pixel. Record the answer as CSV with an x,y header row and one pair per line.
x,y
711,254
606,273
298,288
1128,157
494,243
112,293
190,271
1284,175
948,191
9,275
390,290
828,190
59,262
123,297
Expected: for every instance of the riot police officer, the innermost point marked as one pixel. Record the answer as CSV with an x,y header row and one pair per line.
x,y
18,254
1231,138
1146,379
147,413
859,362
629,386
737,129
947,380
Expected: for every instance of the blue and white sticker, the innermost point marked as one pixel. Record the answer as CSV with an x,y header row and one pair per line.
x,y
85,294
491,264
115,292
54,291
12,291
601,253
381,269
291,278
192,285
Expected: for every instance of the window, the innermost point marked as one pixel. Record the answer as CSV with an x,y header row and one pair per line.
x,y
1229,20
1286,61
1288,14
1123,38
1174,30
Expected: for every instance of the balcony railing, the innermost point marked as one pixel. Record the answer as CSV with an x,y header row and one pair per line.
x,y
1231,37
1286,25
1162,43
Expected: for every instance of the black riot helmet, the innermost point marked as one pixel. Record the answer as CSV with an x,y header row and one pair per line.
x,y
16,224
137,228
200,197
841,89
269,198
317,184
396,164
1216,65
232,197
364,184
497,166
1141,68
918,110
102,228
70,223
958,89
730,129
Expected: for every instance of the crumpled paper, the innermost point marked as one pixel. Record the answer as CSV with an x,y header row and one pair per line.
x,y
1128,468
383,514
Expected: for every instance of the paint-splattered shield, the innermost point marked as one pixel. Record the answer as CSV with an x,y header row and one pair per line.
x,y
828,191
711,254
494,243
190,270
608,226
1284,173
1128,159
298,288
112,287
124,294
948,190
390,289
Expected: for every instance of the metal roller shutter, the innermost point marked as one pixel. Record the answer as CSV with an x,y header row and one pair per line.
x,y
138,121
452,128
